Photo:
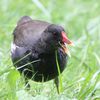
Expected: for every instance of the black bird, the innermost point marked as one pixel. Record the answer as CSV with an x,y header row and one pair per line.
x,y
34,48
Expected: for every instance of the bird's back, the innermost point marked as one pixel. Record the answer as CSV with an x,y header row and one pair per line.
x,y
28,31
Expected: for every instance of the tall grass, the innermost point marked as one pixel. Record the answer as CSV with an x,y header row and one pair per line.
x,y
81,20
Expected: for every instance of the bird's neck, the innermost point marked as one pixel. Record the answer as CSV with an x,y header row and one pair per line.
x,y
44,46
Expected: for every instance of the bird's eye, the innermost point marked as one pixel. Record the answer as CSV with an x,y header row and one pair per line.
x,y
54,33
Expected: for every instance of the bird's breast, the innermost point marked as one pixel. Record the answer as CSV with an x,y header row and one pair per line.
x,y
47,69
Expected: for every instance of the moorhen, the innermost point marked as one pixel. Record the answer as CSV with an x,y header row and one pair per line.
x,y
34,48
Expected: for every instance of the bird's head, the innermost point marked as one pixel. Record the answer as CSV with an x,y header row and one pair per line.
x,y
56,37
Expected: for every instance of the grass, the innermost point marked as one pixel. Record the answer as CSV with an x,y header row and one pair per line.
x,y
81,20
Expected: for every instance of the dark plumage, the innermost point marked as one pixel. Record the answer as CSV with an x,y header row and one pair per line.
x,y
34,46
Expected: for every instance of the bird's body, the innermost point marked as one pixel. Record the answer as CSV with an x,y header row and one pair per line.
x,y
38,41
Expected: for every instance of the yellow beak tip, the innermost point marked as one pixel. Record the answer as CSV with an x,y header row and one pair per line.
x,y
72,44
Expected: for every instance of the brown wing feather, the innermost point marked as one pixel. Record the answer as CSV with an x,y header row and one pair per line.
x,y
28,31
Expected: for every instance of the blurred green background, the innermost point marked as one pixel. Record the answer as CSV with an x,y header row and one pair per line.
x,y
81,20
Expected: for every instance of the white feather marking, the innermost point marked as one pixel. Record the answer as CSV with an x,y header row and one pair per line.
x,y
13,47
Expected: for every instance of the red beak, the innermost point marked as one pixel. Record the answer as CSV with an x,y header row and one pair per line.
x,y
65,39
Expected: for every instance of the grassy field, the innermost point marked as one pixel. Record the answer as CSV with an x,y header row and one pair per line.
x,y
81,20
